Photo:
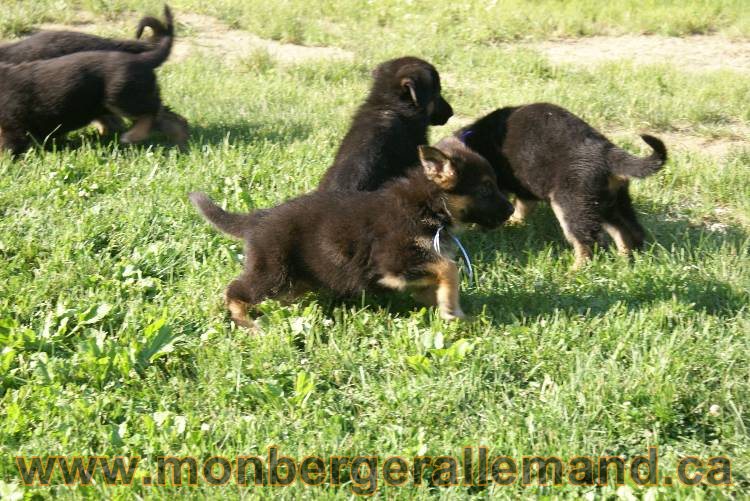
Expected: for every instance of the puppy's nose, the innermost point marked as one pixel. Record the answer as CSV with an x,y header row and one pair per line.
x,y
443,111
448,109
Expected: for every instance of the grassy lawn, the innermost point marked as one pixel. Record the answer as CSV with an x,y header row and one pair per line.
x,y
113,333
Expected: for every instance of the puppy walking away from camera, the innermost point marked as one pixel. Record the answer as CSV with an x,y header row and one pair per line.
x,y
52,44
48,98
543,152
405,99
348,242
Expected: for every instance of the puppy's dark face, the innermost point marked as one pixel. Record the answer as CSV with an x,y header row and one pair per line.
x,y
415,81
469,183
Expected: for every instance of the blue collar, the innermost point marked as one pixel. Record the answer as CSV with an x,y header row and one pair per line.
x,y
436,246
465,135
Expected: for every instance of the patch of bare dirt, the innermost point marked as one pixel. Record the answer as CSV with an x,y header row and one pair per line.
x,y
209,36
678,140
684,140
695,53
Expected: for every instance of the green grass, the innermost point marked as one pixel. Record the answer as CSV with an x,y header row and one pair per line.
x,y
114,338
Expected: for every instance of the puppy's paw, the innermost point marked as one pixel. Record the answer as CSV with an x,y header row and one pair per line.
x,y
579,265
451,315
254,327
515,220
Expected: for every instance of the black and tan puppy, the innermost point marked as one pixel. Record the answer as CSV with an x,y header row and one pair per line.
x,y
350,241
52,44
382,140
543,152
48,98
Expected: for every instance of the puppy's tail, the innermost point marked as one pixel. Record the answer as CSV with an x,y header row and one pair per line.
x,y
158,28
233,224
624,164
154,58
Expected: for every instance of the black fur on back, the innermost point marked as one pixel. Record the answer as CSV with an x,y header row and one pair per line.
x,y
53,96
541,151
537,147
53,44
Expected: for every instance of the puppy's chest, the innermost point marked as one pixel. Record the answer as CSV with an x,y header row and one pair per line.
x,y
436,243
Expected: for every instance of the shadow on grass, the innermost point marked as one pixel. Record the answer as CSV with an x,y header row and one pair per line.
x,y
521,244
248,131
676,235
215,133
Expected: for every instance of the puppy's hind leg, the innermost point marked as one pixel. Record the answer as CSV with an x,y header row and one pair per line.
x,y
140,104
580,224
174,126
139,131
252,287
626,213
239,297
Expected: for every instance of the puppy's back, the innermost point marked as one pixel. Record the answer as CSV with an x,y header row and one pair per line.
x,y
53,44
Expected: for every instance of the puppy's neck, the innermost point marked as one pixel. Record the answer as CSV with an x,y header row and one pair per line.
x,y
428,201
393,106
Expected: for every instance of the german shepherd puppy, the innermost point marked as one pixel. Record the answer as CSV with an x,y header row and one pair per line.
x,y
52,97
52,44
543,152
382,141
349,241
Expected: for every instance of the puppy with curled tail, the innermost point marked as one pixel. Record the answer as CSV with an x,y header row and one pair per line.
x,y
48,98
46,45
541,151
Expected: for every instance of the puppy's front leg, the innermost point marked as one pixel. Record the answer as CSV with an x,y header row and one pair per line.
x,y
447,293
522,210
13,140
426,295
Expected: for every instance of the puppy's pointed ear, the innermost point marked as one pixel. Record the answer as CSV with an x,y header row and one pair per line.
x,y
408,85
437,167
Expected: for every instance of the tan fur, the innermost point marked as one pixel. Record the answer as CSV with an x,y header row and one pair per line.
x,y
522,210
238,311
108,124
624,246
446,178
423,243
139,131
447,294
582,252
615,182
174,126
393,282
456,204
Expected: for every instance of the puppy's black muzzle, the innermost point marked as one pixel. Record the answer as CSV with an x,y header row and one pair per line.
x,y
489,217
506,210
443,111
